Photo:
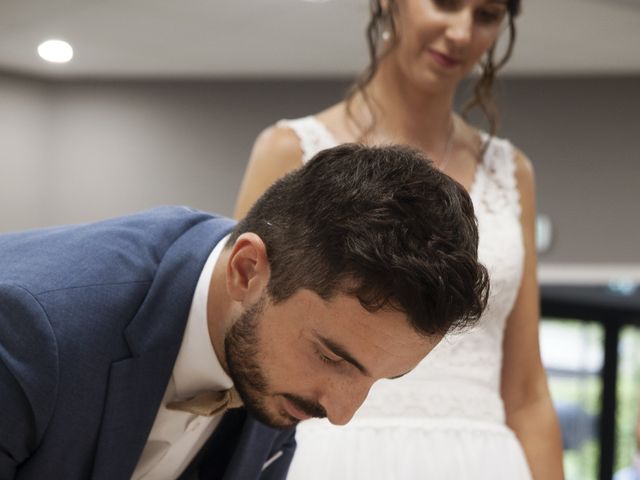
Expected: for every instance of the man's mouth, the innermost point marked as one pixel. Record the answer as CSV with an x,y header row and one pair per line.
x,y
301,409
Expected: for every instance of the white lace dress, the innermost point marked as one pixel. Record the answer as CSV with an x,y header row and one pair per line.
x,y
445,420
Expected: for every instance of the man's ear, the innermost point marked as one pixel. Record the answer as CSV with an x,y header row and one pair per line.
x,y
248,269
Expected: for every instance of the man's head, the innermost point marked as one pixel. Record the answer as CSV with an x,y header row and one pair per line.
x,y
348,270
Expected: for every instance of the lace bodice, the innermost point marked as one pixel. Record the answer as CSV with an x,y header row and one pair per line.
x,y
461,377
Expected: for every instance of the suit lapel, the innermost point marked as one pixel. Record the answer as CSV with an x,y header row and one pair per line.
x,y
252,451
213,459
238,449
137,384
132,401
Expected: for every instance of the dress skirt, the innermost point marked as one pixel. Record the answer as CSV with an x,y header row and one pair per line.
x,y
408,449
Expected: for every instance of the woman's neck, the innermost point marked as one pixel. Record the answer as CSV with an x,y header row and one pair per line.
x,y
403,113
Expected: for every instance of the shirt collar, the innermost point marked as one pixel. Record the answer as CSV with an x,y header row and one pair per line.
x,y
197,367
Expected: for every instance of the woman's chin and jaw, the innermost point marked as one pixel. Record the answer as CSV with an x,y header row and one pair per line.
x,y
428,60
427,69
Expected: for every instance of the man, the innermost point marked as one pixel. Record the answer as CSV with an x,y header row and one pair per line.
x,y
120,341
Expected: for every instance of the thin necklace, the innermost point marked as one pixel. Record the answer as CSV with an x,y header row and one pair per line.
x,y
447,150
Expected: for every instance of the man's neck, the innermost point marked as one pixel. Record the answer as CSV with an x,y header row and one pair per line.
x,y
219,308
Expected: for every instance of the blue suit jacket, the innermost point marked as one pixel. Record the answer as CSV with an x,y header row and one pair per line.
x,y
91,321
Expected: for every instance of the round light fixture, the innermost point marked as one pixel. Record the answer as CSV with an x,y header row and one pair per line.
x,y
55,51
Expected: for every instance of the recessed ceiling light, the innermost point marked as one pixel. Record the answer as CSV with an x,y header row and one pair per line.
x,y
55,51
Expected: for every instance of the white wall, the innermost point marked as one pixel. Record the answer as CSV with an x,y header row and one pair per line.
x,y
24,117
79,151
583,136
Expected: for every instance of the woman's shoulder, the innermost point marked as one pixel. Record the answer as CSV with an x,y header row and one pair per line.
x,y
289,142
276,148
510,171
517,160
278,140
276,151
499,153
514,172
312,133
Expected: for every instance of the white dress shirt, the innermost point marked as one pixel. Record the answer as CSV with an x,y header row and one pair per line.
x,y
176,436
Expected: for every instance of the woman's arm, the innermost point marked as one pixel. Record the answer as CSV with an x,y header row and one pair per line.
x,y
528,404
275,152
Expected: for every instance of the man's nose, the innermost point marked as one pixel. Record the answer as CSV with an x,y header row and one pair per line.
x,y
342,403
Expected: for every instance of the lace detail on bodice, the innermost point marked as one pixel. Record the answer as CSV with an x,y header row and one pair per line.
x,y
498,164
461,376
313,135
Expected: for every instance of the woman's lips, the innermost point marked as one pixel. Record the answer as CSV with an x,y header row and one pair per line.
x,y
444,60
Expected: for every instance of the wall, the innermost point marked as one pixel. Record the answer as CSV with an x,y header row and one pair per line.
x,y
79,151
24,117
583,137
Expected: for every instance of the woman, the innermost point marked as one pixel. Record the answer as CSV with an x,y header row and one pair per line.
x,y
455,416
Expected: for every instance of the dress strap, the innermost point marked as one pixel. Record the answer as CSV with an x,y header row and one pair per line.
x,y
313,135
501,192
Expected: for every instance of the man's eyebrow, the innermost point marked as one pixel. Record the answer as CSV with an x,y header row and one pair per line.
x,y
340,351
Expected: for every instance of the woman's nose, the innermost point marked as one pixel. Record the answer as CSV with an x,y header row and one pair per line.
x,y
460,26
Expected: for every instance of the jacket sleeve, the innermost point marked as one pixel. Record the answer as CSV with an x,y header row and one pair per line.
x,y
28,376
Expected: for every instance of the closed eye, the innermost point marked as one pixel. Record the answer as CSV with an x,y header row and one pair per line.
x,y
490,16
326,359
338,353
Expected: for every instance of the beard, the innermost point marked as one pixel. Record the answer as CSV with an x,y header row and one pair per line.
x,y
242,351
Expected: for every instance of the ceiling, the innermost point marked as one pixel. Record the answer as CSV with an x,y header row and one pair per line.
x,y
292,38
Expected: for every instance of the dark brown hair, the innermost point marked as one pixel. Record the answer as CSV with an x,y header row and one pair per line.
x,y
381,224
381,20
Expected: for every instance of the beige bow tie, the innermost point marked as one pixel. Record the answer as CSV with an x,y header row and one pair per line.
x,y
209,403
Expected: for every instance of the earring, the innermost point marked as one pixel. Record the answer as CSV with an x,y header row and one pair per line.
x,y
386,35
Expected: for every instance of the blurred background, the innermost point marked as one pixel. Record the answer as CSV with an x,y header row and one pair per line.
x,y
163,99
